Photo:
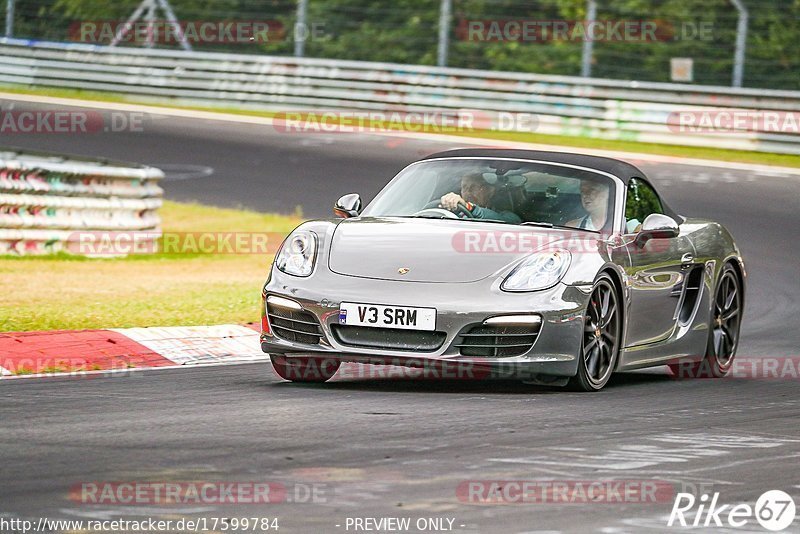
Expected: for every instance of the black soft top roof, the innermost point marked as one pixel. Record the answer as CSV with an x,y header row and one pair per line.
x,y
623,170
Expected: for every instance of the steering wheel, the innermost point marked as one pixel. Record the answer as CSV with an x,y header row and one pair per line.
x,y
445,214
461,211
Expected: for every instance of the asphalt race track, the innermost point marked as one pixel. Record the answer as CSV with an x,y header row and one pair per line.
x,y
381,447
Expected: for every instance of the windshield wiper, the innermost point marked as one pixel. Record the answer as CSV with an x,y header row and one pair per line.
x,y
485,220
425,216
526,223
454,219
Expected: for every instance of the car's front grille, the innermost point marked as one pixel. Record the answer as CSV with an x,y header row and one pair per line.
x,y
388,338
497,341
294,325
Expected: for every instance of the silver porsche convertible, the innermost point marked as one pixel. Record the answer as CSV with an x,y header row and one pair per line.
x,y
551,268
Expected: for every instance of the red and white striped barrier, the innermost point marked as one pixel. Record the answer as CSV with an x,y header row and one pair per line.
x,y
48,202
80,351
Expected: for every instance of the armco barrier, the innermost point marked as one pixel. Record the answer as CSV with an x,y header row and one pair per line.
x,y
588,107
47,201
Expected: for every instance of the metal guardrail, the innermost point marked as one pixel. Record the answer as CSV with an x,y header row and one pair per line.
x,y
50,203
587,107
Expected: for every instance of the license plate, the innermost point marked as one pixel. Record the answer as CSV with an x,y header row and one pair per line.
x,y
387,316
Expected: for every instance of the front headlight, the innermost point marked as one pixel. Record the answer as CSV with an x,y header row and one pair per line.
x,y
298,254
540,271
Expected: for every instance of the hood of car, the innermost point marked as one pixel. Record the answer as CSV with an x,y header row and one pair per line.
x,y
425,250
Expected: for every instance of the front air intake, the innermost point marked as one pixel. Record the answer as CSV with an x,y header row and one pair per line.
x,y
298,326
388,338
497,340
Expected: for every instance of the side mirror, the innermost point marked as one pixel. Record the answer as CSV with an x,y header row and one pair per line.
x,y
657,226
348,206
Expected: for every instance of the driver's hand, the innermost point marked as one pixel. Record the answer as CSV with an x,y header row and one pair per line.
x,y
451,200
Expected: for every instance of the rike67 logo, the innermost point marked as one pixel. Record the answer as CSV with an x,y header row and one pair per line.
x,y
774,510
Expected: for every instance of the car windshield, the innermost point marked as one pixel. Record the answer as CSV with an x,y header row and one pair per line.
x,y
508,191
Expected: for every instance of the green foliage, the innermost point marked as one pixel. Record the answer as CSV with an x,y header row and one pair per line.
x,y
641,201
406,31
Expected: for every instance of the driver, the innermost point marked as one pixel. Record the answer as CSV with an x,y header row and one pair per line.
x,y
476,195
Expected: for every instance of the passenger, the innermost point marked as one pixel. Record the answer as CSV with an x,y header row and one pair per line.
x,y
594,199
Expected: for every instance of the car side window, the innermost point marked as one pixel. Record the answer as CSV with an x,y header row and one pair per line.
x,y
641,201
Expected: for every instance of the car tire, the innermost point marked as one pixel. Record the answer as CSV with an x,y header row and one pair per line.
x,y
725,322
304,369
601,339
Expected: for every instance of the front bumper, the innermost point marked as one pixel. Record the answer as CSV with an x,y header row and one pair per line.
x,y
460,306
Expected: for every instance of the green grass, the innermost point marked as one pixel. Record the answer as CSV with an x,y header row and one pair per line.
x,y
71,292
785,160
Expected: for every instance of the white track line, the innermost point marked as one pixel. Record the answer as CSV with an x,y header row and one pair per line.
x,y
768,170
191,345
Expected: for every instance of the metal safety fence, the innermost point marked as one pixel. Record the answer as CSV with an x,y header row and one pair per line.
x,y
50,203
691,115
750,43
